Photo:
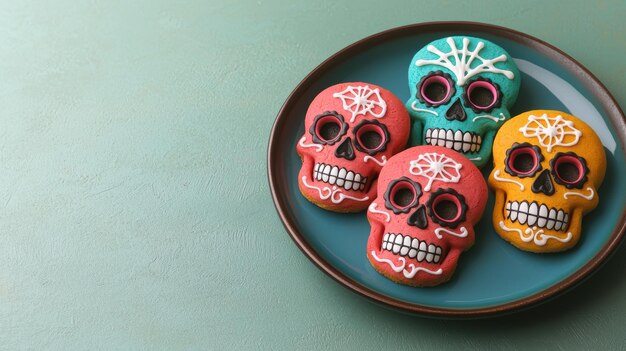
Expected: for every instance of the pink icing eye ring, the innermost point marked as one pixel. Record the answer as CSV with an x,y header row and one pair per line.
x,y
402,194
447,207
569,169
371,137
328,128
523,160
482,95
435,89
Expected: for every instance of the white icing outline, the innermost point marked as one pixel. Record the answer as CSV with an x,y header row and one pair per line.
x,y
407,274
493,118
436,164
372,208
331,193
553,132
361,103
463,60
588,197
380,163
423,109
462,234
538,237
476,158
518,231
317,147
496,176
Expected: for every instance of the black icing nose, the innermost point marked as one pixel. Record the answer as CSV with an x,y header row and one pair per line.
x,y
418,218
543,183
345,150
456,112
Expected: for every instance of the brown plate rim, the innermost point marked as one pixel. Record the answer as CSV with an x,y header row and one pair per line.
x,y
600,92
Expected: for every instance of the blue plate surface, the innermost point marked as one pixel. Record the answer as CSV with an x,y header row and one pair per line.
x,y
493,276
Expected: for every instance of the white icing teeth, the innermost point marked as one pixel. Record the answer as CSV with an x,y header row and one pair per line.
x,y
522,214
458,140
333,175
551,219
404,245
543,215
467,142
454,139
404,250
532,219
535,214
341,177
449,140
325,174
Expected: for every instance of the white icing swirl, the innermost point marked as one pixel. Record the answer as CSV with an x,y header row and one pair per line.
x,y
373,209
380,163
573,193
496,176
462,234
409,274
335,194
539,237
317,147
493,118
415,108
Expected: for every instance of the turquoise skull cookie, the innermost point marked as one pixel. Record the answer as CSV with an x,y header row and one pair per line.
x,y
461,91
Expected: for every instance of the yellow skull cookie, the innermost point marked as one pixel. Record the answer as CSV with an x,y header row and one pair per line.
x,y
547,168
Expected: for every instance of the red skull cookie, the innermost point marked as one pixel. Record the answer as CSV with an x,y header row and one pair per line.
x,y
429,199
351,130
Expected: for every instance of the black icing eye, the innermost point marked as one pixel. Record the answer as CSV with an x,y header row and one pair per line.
x,y
435,89
482,95
523,160
447,207
328,128
569,169
371,137
402,194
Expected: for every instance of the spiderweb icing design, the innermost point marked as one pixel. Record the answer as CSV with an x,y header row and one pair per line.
x,y
464,60
551,131
434,166
360,100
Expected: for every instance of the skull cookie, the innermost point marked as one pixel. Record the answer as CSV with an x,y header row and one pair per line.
x,y
461,91
548,166
351,130
429,199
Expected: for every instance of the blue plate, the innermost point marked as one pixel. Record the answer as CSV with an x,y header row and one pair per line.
x,y
493,277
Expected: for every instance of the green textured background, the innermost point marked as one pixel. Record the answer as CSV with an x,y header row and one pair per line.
x,y
134,206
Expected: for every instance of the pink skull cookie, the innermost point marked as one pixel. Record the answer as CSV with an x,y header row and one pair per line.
x,y
350,131
429,199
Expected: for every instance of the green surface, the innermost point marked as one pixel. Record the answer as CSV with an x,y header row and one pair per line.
x,y
135,211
